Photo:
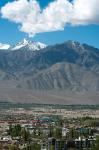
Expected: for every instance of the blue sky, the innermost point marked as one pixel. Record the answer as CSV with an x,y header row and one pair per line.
x,y
10,33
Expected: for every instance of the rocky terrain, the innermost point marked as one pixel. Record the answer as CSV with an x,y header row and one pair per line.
x,y
30,67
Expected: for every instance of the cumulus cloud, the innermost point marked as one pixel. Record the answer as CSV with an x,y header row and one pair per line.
x,y
54,17
85,12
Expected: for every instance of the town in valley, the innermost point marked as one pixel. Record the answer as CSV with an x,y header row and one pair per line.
x,y
48,127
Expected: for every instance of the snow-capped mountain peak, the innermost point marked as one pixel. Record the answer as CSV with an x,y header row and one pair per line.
x,y
25,41
30,45
4,46
25,44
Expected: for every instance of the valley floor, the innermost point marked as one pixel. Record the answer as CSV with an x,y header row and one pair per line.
x,y
48,97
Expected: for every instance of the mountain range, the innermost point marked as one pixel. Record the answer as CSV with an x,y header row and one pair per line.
x,y
39,70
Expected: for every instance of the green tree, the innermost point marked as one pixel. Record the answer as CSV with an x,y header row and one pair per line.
x,y
14,131
1,147
72,134
34,146
51,133
58,133
25,135
52,147
12,147
96,145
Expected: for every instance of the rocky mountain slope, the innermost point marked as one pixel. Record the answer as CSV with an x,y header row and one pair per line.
x,y
30,68
62,76
69,66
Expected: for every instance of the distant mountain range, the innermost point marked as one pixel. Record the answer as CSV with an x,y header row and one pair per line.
x,y
69,66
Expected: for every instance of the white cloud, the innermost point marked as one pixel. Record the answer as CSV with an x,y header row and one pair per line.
x,y
54,17
85,12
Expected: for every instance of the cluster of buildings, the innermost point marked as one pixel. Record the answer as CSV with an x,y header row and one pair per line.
x,y
38,123
58,144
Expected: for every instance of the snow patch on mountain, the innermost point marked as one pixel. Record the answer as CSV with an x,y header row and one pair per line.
x,y
24,44
29,45
4,46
